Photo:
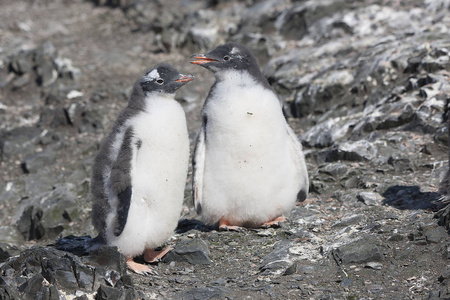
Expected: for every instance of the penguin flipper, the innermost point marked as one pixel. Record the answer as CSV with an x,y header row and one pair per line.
x,y
300,163
121,180
198,163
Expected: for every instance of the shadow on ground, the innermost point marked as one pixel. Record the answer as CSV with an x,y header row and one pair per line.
x,y
411,198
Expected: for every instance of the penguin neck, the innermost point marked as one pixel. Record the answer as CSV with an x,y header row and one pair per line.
x,y
142,104
242,78
235,78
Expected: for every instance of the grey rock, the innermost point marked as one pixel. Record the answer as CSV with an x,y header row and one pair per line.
x,y
22,63
48,218
350,220
436,234
324,94
326,133
402,164
370,198
66,70
45,70
91,121
374,265
35,162
396,238
278,261
19,141
445,275
363,250
357,151
53,117
106,259
21,81
194,251
335,169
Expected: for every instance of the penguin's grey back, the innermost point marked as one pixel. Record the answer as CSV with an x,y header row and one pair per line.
x,y
104,159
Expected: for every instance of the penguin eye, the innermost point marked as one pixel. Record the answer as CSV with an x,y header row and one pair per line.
x,y
159,81
226,57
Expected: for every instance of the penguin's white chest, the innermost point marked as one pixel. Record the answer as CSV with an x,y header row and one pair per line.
x,y
249,171
162,157
158,176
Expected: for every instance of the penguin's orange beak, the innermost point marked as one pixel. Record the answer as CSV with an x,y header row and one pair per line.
x,y
201,59
185,78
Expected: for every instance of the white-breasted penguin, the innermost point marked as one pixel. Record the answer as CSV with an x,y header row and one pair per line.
x,y
140,171
249,168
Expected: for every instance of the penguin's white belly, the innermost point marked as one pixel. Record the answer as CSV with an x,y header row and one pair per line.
x,y
159,170
250,171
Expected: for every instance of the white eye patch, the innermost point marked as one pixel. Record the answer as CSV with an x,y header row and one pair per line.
x,y
235,50
153,75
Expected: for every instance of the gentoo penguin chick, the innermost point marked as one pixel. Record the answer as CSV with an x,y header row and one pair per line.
x,y
140,171
248,164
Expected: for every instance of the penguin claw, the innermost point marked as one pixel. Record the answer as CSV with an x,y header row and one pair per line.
x,y
151,255
275,222
231,228
224,225
140,268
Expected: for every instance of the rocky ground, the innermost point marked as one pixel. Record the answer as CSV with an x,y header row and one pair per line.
x,y
366,86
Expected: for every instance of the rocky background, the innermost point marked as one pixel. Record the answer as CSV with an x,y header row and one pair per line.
x,y
366,87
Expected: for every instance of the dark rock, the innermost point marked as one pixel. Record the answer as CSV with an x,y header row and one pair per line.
x,y
409,197
48,270
29,224
444,216
194,251
185,225
105,292
205,293
78,245
363,250
7,251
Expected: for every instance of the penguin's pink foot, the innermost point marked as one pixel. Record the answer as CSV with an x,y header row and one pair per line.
x,y
151,255
139,268
224,225
275,222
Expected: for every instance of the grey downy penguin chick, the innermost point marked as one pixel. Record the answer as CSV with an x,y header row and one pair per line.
x,y
140,171
248,164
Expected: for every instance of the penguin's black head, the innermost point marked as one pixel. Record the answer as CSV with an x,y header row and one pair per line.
x,y
229,56
164,79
